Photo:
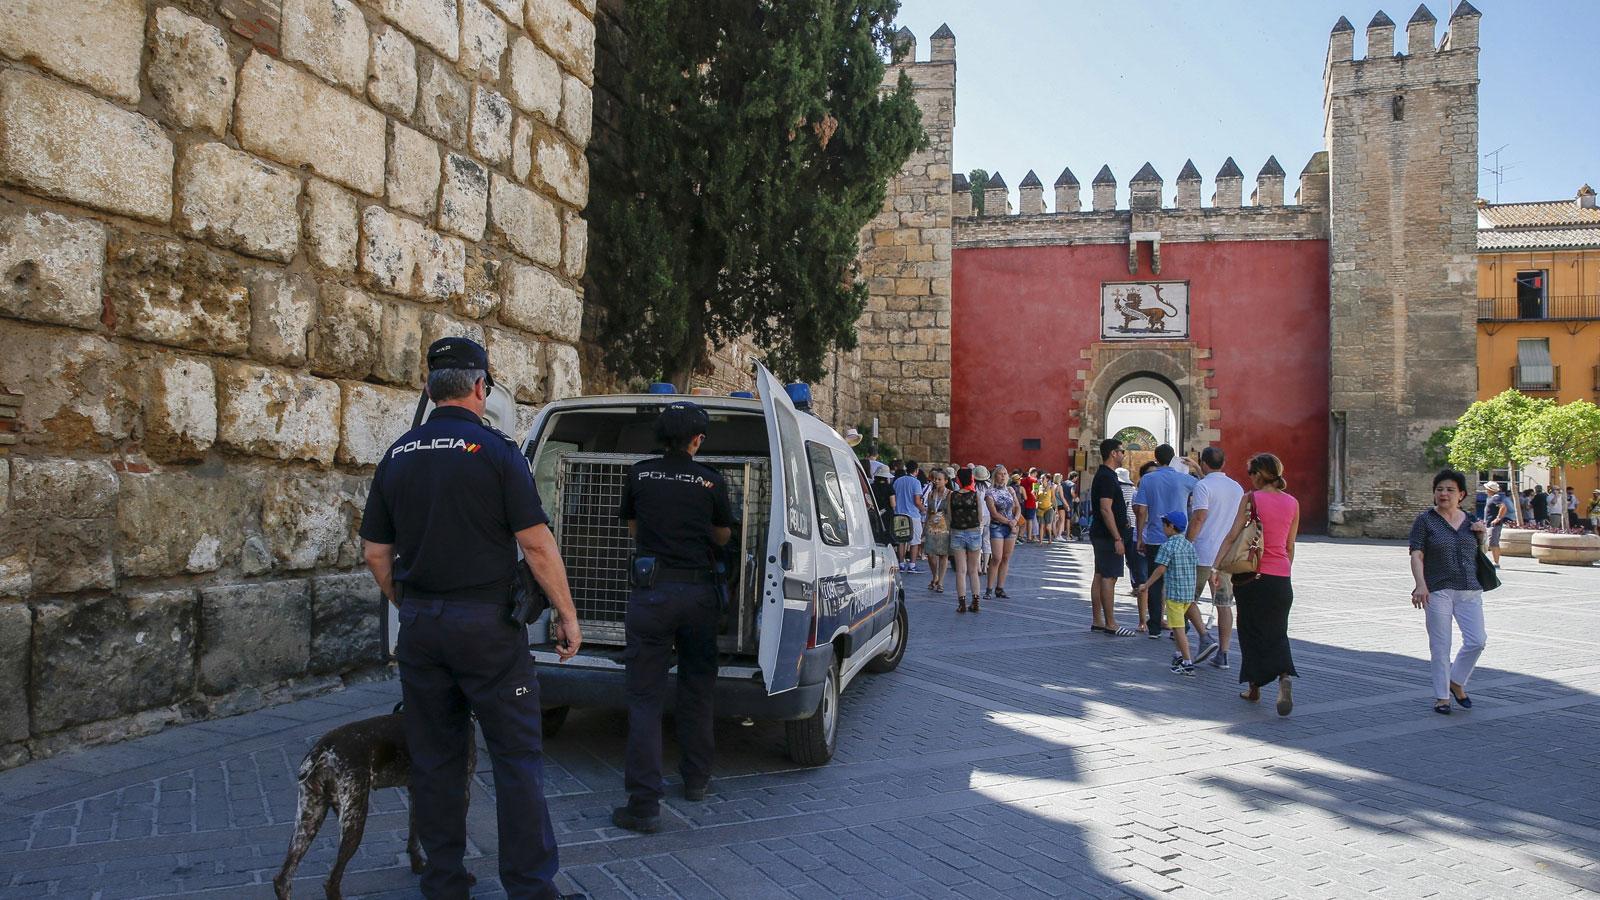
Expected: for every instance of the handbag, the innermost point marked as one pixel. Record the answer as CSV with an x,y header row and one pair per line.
x,y
1488,578
1244,557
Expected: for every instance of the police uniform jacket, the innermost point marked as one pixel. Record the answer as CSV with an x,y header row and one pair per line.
x,y
676,502
450,496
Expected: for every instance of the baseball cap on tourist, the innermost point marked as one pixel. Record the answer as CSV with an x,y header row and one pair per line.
x,y
1177,520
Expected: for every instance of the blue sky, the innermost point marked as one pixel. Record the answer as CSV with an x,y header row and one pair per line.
x,y
1043,84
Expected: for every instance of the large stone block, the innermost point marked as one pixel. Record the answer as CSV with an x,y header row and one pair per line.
x,y
437,325
282,304
491,125
518,362
253,634
433,22
191,76
345,340
535,80
176,293
574,244
522,148
482,296
402,256
310,520
568,33
373,417
538,302
73,555
329,37
16,635
72,488
464,199
93,42
186,521
180,408
563,376
483,40
76,388
400,345
50,268
331,225
577,110
527,221
236,201
346,631
392,85
560,166
71,146
294,118
443,102
413,182
104,657
277,415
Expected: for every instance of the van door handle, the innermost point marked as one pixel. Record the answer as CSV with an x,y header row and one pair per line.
x,y
786,556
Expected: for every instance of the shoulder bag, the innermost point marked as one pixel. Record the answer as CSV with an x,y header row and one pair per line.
x,y
1244,557
1488,576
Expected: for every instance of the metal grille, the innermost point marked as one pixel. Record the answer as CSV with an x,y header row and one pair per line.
x,y
595,544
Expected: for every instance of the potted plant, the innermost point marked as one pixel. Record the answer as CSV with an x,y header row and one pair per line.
x,y
1564,435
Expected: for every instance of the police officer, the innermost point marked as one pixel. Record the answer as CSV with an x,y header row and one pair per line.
x,y
679,515
451,502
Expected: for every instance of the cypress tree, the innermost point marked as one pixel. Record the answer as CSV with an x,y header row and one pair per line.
x,y
752,144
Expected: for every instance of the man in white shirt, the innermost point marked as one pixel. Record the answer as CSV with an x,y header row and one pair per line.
x,y
1214,505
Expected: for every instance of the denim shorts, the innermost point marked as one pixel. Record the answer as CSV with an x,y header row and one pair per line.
x,y
970,539
999,532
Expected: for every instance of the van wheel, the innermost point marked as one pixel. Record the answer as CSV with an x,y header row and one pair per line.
x,y
812,740
890,658
552,719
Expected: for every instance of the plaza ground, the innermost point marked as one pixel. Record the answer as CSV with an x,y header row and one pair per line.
x,y
1013,754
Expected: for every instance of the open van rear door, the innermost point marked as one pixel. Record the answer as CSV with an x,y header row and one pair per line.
x,y
788,582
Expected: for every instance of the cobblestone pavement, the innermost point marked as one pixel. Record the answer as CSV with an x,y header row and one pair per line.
x,y
1013,754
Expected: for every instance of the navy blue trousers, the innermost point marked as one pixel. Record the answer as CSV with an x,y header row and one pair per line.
x,y
455,657
667,615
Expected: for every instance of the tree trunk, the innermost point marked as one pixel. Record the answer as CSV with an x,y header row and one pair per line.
x,y
1515,489
693,354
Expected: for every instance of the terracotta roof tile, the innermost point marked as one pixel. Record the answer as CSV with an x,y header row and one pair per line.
x,y
1547,212
1538,238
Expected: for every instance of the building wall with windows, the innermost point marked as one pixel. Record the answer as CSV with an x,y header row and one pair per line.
x,y
1539,304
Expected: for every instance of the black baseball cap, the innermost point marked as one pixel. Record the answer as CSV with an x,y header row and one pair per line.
x,y
682,419
459,353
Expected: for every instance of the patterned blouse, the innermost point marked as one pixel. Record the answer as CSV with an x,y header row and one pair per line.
x,y
1005,501
1449,555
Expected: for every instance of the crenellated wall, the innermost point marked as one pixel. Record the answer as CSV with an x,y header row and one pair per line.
x,y
228,232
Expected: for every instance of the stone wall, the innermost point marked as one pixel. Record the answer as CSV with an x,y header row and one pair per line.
x,y
228,231
905,256
1402,139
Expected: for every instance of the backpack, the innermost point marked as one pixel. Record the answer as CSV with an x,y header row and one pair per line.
x,y
964,512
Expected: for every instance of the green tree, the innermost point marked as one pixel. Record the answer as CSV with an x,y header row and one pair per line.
x,y
751,145
977,180
1436,449
1486,434
1565,435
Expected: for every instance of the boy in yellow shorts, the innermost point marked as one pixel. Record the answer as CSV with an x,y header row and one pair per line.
x,y
1175,561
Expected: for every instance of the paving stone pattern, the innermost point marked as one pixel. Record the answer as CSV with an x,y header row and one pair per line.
x,y
1012,754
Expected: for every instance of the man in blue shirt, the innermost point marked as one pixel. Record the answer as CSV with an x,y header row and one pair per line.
x,y
908,502
1162,491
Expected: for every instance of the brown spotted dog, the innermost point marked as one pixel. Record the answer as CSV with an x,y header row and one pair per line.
x,y
340,773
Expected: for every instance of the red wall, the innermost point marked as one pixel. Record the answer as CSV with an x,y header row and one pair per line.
x,y
1021,316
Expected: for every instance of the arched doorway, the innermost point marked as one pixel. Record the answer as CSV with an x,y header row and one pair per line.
x,y
1145,409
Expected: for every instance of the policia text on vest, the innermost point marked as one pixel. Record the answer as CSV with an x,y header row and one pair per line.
x,y
451,503
679,515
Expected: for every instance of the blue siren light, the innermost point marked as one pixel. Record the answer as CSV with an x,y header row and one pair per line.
x,y
799,395
743,395
662,387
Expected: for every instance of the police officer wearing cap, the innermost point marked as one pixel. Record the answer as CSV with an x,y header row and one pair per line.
x,y
451,503
679,515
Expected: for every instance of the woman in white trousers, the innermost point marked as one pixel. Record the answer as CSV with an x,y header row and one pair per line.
x,y
1444,564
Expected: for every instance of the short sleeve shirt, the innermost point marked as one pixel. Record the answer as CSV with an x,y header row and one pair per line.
x,y
450,495
1177,554
907,488
1162,491
1220,497
675,502
1498,506
1105,487
1449,555
1029,501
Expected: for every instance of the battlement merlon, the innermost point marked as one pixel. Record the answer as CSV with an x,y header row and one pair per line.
x,y
1453,60
1030,195
941,51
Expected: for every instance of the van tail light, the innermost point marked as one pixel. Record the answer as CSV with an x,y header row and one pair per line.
x,y
811,632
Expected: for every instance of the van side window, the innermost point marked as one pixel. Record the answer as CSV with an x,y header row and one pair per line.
x,y
832,522
794,473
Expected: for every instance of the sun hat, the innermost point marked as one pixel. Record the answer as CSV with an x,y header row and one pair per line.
x,y
980,473
1122,475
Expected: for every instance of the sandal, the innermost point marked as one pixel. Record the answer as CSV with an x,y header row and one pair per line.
x,y
1285,695
1442,707
1253,695
974,604
961,604
1462,699
1122,631
1096,628
1000,593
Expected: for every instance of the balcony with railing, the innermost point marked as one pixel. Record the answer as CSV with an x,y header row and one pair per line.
x,y
1566,308
1538,379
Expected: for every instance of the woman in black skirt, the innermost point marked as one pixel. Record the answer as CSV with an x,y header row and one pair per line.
x,y
1263,599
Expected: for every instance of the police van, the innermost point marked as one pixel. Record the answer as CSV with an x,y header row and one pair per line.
x,y
814,597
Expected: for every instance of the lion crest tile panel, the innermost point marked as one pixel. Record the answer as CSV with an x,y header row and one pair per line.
x,y
1144,309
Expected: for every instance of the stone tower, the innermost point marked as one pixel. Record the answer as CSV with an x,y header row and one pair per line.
x,y
1401,130
905,256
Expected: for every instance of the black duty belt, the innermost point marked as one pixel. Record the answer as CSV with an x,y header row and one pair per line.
x,y
684,576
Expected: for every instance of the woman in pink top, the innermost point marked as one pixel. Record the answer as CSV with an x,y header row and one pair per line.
x,y
1263,598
